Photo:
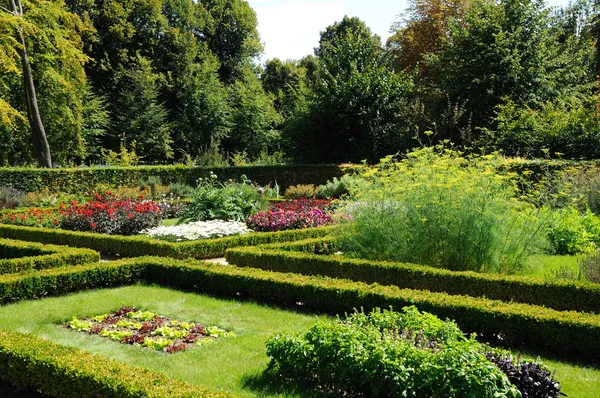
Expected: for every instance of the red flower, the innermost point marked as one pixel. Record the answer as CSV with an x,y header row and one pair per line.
x,y
93,225
130,215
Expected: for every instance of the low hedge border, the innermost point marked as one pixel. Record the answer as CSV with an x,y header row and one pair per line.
x,y
560,331
60,371
17,256
82,179
133,246
292,257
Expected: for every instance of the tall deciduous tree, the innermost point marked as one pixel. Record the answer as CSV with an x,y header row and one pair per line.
x,y
507,51
359,108
422,30
232,35
45,37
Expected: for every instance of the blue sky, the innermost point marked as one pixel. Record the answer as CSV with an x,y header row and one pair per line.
x,y
290,28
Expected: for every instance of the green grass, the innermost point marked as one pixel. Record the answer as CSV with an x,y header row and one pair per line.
x,y
543,265
169,222
225,364
233,364
576,379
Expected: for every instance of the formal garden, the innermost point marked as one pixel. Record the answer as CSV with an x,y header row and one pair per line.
x,y
434,274
417,216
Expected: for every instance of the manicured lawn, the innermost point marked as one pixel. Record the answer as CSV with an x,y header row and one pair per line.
x,y
543,265
224,364
231,363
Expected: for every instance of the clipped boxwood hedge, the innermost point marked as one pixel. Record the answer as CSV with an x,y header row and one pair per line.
x,y
132,246
559,295
560,331
60,371
17,256
78,180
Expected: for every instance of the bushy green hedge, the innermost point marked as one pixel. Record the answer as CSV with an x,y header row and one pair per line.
x,y
131,246
78,180
65,372
17,256
560,295
560,331
61,371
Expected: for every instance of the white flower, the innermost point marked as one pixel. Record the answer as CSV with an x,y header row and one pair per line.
x,y
198,230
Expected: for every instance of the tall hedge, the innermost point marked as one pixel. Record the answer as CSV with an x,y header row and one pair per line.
x,y
74,180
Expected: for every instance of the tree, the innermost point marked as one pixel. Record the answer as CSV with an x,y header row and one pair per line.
x,y
44,37
254,118
232,35
143,118
286,83
506,51
359,108
422,30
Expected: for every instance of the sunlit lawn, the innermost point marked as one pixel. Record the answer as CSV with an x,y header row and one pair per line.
x,y
226,364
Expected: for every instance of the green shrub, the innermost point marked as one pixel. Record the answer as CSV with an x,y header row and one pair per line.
x,y
559,331
224,201
17,256
567,127
301,191
180,190
298,257
11,198
589,267
336,188
78,180
131,246
438,208
389,354
573,232
60,371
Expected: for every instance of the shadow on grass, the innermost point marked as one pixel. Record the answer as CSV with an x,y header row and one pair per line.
x,y
267,384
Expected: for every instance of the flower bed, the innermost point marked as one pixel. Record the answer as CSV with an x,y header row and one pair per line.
x,y
146,329
32,218
104,213
198,230
292,214
108,214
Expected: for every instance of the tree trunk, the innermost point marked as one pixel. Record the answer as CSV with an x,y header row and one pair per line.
x,y
38,133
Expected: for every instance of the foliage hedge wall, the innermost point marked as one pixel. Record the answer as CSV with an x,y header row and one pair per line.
x,y
560,331
74,180
131,246
32,363
560,295
17,256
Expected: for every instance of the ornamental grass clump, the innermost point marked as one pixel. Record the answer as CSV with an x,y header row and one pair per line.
x,y
388,354
439,208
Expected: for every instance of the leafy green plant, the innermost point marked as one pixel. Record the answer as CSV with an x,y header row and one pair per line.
x,y
589,267
224,201
388,353
439,208
334,189
301,191
11,198
573,232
